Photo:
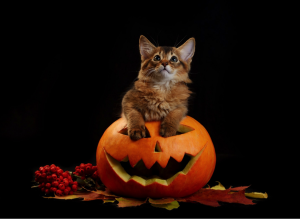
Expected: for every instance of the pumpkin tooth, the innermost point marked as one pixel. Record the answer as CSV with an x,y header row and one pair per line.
x,y
125,159
117,167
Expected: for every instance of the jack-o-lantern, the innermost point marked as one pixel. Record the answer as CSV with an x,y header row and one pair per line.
x,y
156,166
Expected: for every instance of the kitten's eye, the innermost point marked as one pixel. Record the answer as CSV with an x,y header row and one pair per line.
x,y
174,59
156,58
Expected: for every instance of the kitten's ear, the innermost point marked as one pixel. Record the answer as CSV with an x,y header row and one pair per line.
x,y
187,49
146,47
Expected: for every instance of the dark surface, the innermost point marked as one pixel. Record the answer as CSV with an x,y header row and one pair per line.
x,y
71,68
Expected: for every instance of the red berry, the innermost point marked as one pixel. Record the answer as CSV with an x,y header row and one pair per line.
x,y
46,166
48,185
81,171
70,182
57,168
36,172
66,183
53,169
41,186
49,177
66,191
41,168
55,183
89,164
47,169
43,189
71,192
54,176
53,189
83,177
69,177
61,178
69,188
58,192
88,169
43,175
52,165
77,167
65,175
47,191
75,183
58,180
82,165
60,171
74,188
94,168
61,186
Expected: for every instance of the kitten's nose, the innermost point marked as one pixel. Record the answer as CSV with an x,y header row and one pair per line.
x,y
164,64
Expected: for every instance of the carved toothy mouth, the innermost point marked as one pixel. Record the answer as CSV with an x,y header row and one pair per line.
x,y
156,173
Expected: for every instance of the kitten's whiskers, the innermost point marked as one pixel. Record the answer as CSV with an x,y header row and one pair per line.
x,y
180,40
149,71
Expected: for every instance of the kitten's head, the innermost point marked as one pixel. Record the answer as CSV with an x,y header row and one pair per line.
x,y
162,64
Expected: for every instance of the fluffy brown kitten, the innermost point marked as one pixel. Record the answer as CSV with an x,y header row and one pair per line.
x,y
160,93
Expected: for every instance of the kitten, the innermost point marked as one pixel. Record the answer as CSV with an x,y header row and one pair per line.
x,y
160,93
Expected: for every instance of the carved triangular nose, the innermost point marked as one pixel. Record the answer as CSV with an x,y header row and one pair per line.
x,y
164,64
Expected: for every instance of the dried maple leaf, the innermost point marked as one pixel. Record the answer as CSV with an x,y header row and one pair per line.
x,y
85,195
211,197
251,194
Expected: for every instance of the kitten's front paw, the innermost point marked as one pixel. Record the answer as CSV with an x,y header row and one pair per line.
x,y
166,130
137,133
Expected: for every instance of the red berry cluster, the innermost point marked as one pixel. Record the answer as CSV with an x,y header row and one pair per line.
x,y
86,170
52,179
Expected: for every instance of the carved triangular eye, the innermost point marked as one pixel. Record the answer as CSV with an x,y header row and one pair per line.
x,y
183,129
124,131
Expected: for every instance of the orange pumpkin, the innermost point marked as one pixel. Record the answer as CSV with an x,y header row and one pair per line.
x,y
155,166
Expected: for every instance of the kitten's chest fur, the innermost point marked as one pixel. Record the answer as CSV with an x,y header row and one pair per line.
x,y
158,100
157,106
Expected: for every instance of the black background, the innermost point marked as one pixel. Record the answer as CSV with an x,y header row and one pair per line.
x,y
71,69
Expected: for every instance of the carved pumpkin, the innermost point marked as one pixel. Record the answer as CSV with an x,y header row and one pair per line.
x,y
155,166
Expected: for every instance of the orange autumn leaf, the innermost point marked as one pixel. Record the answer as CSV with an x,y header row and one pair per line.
x,y
85,195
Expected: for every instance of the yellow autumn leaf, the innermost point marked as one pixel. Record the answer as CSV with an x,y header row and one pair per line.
x,y
168,206
218,187
256,195
108,200
130,202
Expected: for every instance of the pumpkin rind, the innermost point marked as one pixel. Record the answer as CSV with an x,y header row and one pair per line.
x,y
119,146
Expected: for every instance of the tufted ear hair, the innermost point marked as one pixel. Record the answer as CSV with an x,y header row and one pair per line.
x,y
146,47
187,49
